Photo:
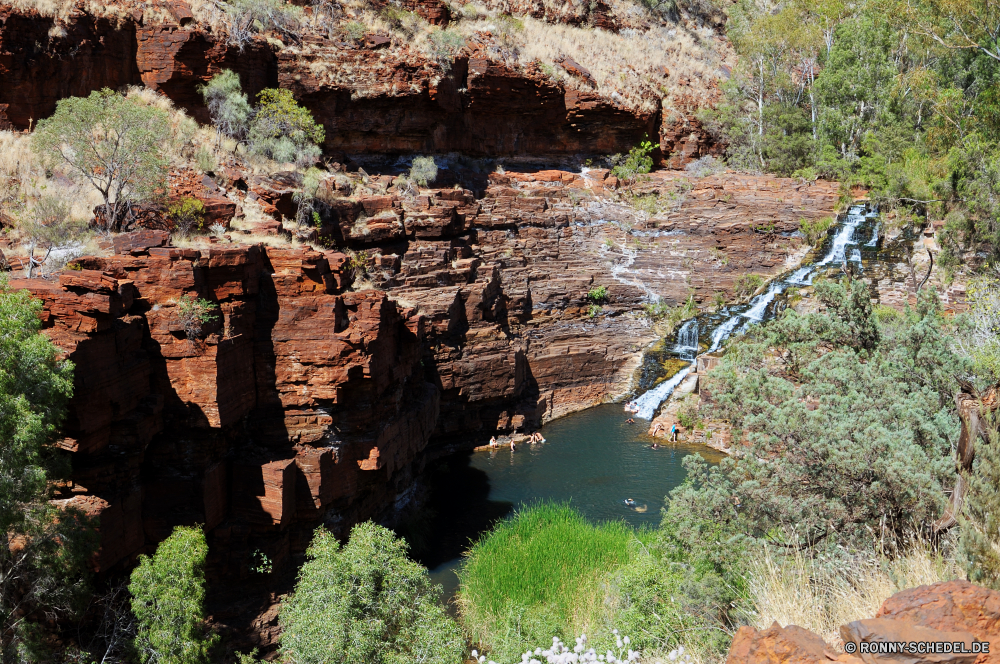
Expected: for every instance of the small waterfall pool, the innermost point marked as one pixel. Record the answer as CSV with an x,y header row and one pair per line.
x,y
593,459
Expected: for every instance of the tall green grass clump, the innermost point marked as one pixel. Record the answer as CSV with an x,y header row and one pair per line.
x,y
541,574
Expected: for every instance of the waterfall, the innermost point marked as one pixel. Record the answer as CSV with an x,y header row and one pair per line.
x,y
874,241
844,237
758,305
651,400
687,340
799,276
686,345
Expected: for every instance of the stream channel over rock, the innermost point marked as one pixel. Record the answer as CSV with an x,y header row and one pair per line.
x,y
594,459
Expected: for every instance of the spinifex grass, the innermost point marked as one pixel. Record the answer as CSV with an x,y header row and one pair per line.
x,y
538,575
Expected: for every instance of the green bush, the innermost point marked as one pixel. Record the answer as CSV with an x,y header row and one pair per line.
x,y
366,603
445,44
227,104
355,30
598,294
747,284
539,575
423,170
245,18
187,215
168,591
284,131
195,313
637,162
815,229
111,141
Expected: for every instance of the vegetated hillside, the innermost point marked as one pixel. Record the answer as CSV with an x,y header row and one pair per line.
x,y
395,78
897,97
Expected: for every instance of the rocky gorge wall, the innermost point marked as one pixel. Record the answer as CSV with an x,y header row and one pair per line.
x,y
318,398
370,99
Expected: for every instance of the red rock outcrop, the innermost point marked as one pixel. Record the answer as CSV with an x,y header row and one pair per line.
x,y
397,101
953,612
321,383
43,60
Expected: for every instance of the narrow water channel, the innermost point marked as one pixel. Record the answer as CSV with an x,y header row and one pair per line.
x,y
594,459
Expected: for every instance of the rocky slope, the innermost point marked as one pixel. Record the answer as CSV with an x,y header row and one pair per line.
x,y
316,398
378,94
954,612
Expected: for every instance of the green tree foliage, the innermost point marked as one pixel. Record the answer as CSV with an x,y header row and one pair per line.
x,y
979,542
282,130
195,313
168,591
637,162
44,552
111,141
849,419
901,97
366,603
227,104
187,215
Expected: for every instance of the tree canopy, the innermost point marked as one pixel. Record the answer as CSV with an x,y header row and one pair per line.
x,y
111,141
366,603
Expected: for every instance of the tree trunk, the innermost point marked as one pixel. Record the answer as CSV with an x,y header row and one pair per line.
x,y
975,411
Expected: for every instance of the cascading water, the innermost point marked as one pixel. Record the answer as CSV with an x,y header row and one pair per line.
x,y
686,345
874,241
687,340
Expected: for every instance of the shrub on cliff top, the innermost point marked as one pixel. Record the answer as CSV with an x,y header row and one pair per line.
x,y
168,591
366,603
637,162
111,141
245,18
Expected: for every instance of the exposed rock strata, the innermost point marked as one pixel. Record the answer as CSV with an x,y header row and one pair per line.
x,y
370,101
307,402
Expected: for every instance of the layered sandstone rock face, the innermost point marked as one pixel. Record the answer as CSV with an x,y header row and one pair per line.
x,y
955,612
369,98
322,383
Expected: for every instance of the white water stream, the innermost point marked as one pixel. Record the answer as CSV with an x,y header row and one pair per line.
x,y
687,336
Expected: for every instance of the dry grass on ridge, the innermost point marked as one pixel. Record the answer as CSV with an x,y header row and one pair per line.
x,y
811,594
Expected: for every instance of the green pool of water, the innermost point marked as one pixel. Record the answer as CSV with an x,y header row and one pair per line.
x,y
592,459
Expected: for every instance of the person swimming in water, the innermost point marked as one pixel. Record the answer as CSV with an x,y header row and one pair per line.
x,y
629,502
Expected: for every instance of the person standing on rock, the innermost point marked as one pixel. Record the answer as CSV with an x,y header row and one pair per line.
x,y
673,432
